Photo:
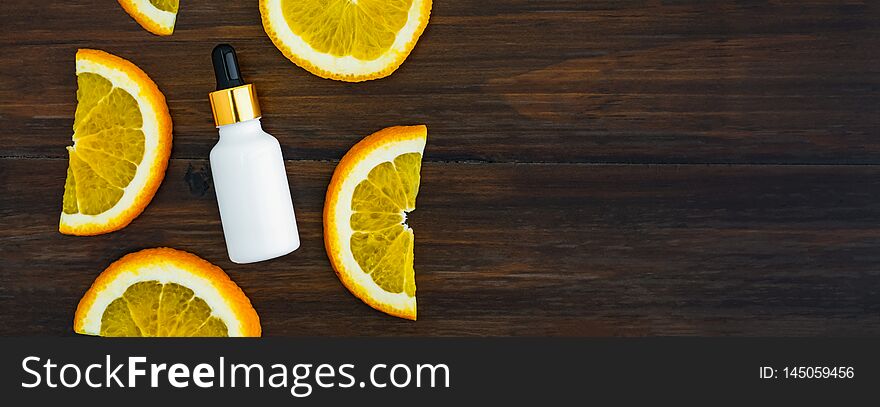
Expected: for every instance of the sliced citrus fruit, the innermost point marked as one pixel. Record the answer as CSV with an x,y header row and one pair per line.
x,y
156,16
165,292
121,145
347,40
367,241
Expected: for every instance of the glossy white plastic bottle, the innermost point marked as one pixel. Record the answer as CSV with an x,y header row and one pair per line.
x,y
253,195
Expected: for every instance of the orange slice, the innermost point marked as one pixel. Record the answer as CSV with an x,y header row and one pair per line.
x,y
346,40
367,240
121,145
165,292
156,16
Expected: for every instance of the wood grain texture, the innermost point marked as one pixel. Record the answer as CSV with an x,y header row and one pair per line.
x,y
593,167
550,81
603,250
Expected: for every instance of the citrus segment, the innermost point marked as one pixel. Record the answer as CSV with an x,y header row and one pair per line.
x,y
94,195
123,324
364,29
114,171
346,39
149,308
373,221
409,177
122,142
69,201
127,144
367,240
165,292
166,5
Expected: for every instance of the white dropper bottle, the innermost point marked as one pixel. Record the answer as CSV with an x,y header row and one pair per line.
x,y
248,171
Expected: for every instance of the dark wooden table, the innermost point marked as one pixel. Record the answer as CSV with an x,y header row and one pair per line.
x,y
604,167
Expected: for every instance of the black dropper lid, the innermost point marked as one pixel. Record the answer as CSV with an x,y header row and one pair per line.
x,y
226,67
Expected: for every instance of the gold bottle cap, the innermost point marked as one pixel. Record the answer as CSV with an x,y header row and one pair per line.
x,y
235,105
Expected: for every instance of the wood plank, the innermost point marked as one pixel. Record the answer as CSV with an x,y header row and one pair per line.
x,y
509,249
514,80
